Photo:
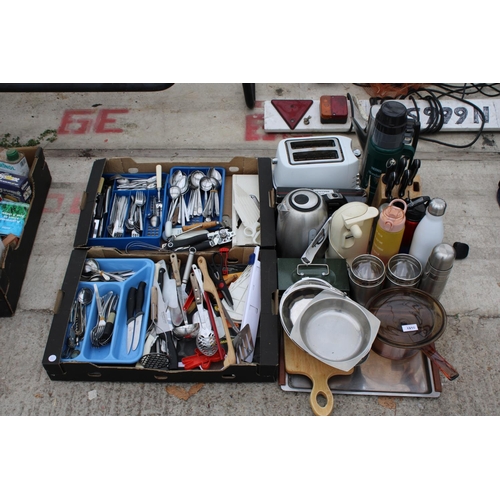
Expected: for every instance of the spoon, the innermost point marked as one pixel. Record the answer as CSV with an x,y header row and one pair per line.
x,y
216,177
175,193
91,270
84,298
206,185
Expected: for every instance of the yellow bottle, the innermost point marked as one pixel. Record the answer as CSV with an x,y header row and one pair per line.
x,y
389,231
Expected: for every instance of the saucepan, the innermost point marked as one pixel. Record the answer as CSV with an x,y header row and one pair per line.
x,y
411,320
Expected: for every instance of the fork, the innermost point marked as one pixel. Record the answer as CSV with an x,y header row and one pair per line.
x,y
99,327
140,200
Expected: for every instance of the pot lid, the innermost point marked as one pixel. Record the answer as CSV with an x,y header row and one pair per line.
x,y
409,318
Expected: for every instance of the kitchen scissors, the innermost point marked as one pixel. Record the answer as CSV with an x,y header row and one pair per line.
x,y
215,268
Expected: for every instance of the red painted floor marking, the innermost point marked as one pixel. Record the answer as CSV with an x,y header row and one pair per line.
x,y
53,203
75,205
84,121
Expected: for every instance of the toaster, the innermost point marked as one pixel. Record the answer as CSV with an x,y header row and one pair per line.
x,y
321,162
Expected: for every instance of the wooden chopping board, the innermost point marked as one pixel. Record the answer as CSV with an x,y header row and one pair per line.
x,y
299,362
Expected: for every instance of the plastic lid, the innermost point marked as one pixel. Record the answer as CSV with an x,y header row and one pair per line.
x,y
393,218
442,257
304,200
391,118
12,154
409,318
437,207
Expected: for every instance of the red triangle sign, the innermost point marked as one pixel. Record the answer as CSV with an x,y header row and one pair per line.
x,y
292,110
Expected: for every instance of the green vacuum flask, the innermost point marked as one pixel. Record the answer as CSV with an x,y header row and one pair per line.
x,y
386,144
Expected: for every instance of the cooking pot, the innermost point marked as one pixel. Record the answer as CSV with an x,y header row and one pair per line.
x,y
300,216
411,320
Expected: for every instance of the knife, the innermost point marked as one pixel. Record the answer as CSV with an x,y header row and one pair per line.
x,y
130,317
408,177
139,313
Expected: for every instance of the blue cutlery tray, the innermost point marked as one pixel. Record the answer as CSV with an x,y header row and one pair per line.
x,y
188,171
151,235
115,353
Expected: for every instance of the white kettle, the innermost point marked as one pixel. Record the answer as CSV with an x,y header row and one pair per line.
x,y
350,231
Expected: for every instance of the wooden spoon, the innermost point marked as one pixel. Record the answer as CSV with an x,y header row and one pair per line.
x,y
209,286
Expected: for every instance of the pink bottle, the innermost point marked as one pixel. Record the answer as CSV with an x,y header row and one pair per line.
x,y
389,231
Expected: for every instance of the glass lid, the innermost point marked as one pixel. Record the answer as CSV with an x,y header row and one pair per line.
x,y
409,317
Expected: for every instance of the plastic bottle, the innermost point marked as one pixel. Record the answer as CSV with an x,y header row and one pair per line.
x,y
415,212
11,160
429,232
389,231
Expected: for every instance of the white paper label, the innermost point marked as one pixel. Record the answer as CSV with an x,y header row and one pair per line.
x,y
409,328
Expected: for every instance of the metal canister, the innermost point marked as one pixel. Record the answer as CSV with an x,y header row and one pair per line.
x,y
437,270
403,270
366,277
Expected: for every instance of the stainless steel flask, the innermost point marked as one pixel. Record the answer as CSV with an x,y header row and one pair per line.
x,y
437,270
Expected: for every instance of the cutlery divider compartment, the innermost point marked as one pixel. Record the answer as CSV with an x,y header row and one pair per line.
x,y
150,235
188,171
116,351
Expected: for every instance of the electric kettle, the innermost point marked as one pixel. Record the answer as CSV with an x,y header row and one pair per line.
x,y
350,231
301,215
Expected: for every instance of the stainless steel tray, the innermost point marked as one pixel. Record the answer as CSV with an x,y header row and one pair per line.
x,y
378,376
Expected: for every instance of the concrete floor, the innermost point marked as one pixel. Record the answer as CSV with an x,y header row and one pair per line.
x,y
201,122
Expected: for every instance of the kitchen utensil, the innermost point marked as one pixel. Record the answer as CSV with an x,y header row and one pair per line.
x,y
209,287
110,313
101,323
178,282
84,298
366,277
336,330
91,270
215,271
301,363
205,340
187,272
318,245
297,297
410,320
403,270
170,298
300,216
323,162
135,303
350,231
159,204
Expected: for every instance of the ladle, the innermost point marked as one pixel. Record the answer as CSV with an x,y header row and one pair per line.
x,y
186,331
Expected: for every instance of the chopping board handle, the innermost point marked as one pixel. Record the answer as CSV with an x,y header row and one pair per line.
x,y
321,388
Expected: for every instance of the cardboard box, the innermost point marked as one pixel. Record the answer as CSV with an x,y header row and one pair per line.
x,y
264,367
14,261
